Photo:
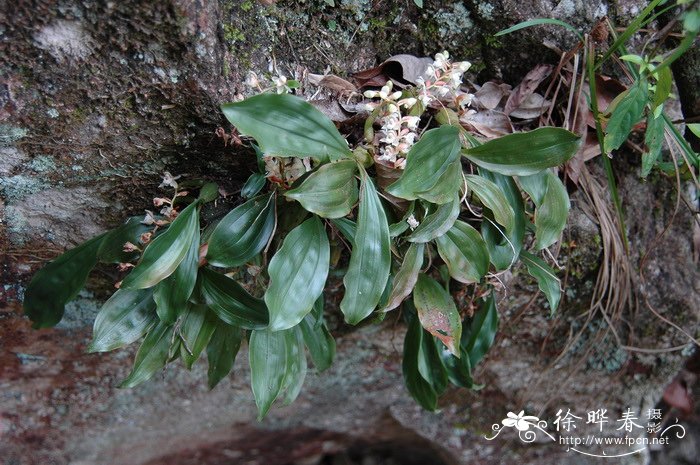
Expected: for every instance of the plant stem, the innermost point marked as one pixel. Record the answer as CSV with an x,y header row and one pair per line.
x,y
606,160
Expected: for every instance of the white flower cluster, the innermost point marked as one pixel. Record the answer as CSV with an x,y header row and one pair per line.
x,y
444,82
398,133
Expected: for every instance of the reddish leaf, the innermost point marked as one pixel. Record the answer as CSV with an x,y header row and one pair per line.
x,y
528,85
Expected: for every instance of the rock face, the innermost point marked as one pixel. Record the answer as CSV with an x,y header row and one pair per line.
x,y
97,99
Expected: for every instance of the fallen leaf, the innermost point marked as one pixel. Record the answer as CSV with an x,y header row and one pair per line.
x,y
528,85
332,109
489,123
489,96
332,82
676,395
402,69
532,107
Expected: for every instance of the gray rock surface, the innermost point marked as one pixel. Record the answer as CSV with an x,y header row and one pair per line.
x,y
97,99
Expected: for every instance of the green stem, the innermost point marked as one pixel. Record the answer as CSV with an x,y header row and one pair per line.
x,y
606,160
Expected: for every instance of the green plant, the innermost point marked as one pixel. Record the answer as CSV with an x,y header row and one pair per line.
x,y
415,184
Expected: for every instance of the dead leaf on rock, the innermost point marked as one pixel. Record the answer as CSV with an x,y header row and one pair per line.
x,y
332,82
488,123
528,85
489,96
532,107
332,109
402,69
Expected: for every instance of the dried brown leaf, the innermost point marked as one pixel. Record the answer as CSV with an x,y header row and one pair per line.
x,y
532,107
489,96
332,82
402,69
489,123
528,85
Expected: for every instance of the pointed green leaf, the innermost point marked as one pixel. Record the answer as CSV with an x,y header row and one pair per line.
x,y
481,331
317,338
449,183
398,228
268,367
406,277
152,355
417,386
230,302
112,248
654,140
296,365
59,282
172,293
430,364
459,371
663,87
123,319
242,233
625,115
525,153
196,329
298,272
221,351
370,260
465,253
287,126
163,255
429,160
546,278
330,192
347,228
253,185
437,312
493,198
504,247
437,223
552,206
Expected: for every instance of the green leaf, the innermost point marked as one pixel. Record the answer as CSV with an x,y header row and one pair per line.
x,y
318,339
430,364
493,198
694,128
209,192
459,371
625,115
242,233
437,223
163,255
504,247
253,185
420,389
419,3
525,153
654,140
398,228
465,253
296,365
221,351
268,367
481,331
172,293
663,88
123,319
112,248
330,192
287,126
406,277
546,278
347,228
437,312
58,283
537,22
231,302
370,261
552,206
298,272
152,355
196,329
431,166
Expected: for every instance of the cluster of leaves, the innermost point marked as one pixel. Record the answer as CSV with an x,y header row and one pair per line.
x,y
464,210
